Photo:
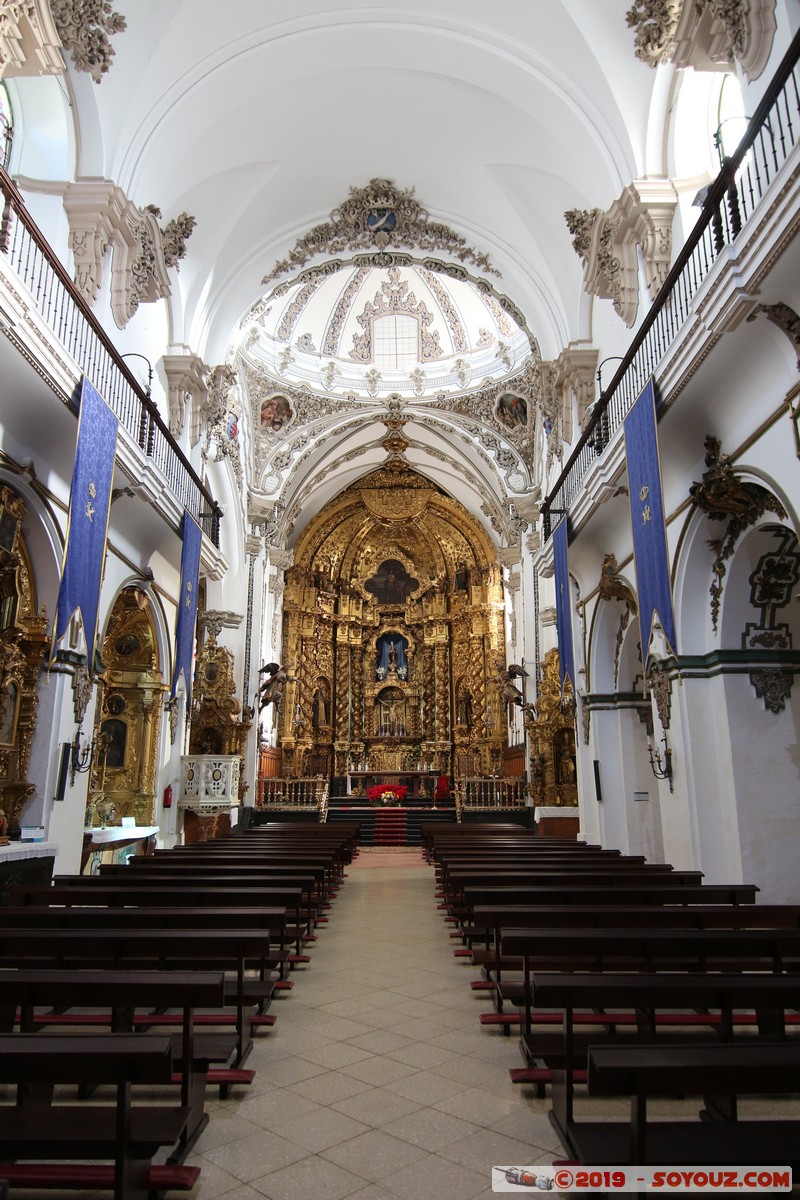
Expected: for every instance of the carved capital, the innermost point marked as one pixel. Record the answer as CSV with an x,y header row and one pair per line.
x,y
174,236
704,34
29,41
773,686
607,243
786,319
101,216
84,27
576,370
186,384
280,559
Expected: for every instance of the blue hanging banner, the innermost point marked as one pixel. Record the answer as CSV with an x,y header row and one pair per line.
x,y
187,606
87,524
647,519
563,605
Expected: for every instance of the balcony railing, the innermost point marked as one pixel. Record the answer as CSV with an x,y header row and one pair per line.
x,y
730,202
305,794
67,314
488,794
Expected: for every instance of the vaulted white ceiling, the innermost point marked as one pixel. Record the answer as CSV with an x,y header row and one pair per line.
x,y
257,117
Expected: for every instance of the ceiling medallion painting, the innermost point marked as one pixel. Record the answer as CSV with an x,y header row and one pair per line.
x,y
380,214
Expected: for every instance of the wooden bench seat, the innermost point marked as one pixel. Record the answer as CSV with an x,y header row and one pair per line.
x,y
712,1071
85,891
769,996
125,1133
119,994
167,1177
771,950
231,949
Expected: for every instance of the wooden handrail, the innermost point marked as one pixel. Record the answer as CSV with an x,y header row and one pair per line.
x,y
721,192
13,203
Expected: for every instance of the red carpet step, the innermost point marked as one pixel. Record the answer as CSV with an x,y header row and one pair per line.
x,y
391,827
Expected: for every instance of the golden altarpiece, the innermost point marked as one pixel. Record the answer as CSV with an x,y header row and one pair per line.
x,y
219,729
393,621
128,716
550,727
23,647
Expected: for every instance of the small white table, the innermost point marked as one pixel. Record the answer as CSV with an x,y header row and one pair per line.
x,y
117,836
26,862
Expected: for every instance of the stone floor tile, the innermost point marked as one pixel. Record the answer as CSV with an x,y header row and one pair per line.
x,y
378,1070
478,1105
321,1129
380,1041
377,1106
271,1108
430,1129
487,1148
420,1054
335,1055
287,1070
248,1158
330,1087
435,1177
425,1087
312,1178
374,1155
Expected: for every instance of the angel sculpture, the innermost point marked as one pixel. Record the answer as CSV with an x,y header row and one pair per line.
x,y
504,679
271,690
612,586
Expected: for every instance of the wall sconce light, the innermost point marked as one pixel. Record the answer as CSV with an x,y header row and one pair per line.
x,y
661,768
722,144
134,354
611,358
82,756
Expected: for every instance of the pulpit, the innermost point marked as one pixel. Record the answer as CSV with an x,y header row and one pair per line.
x,y
209,790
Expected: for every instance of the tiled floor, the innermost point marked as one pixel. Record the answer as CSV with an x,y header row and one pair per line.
x,y
377,1081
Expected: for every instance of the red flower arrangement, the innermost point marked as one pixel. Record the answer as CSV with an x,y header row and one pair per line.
x,y
387,793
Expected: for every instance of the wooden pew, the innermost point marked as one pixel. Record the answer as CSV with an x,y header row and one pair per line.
x,y
122,993
222,875
493,959
297,867
96,916
125,1133
583,874
121,949
623,893
710,1071
88,890
649,995
649,950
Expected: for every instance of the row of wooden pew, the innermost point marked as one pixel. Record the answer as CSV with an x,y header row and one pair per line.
x,y
188,946
631,979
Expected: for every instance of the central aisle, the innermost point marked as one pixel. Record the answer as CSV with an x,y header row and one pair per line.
x,y
377,1080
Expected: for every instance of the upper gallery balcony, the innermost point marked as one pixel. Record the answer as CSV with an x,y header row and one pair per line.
x,y
58,339
743,241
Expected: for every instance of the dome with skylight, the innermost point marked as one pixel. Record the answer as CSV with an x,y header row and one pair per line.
x,y
371,330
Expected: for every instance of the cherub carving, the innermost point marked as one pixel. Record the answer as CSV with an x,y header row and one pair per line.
x,y
612,586
504,678
271,690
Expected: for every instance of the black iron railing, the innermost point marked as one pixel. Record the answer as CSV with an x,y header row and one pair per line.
x,y
69,317
730,201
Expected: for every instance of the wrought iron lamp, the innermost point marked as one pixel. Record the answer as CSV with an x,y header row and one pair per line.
x,y
148,391
81,757
661,768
